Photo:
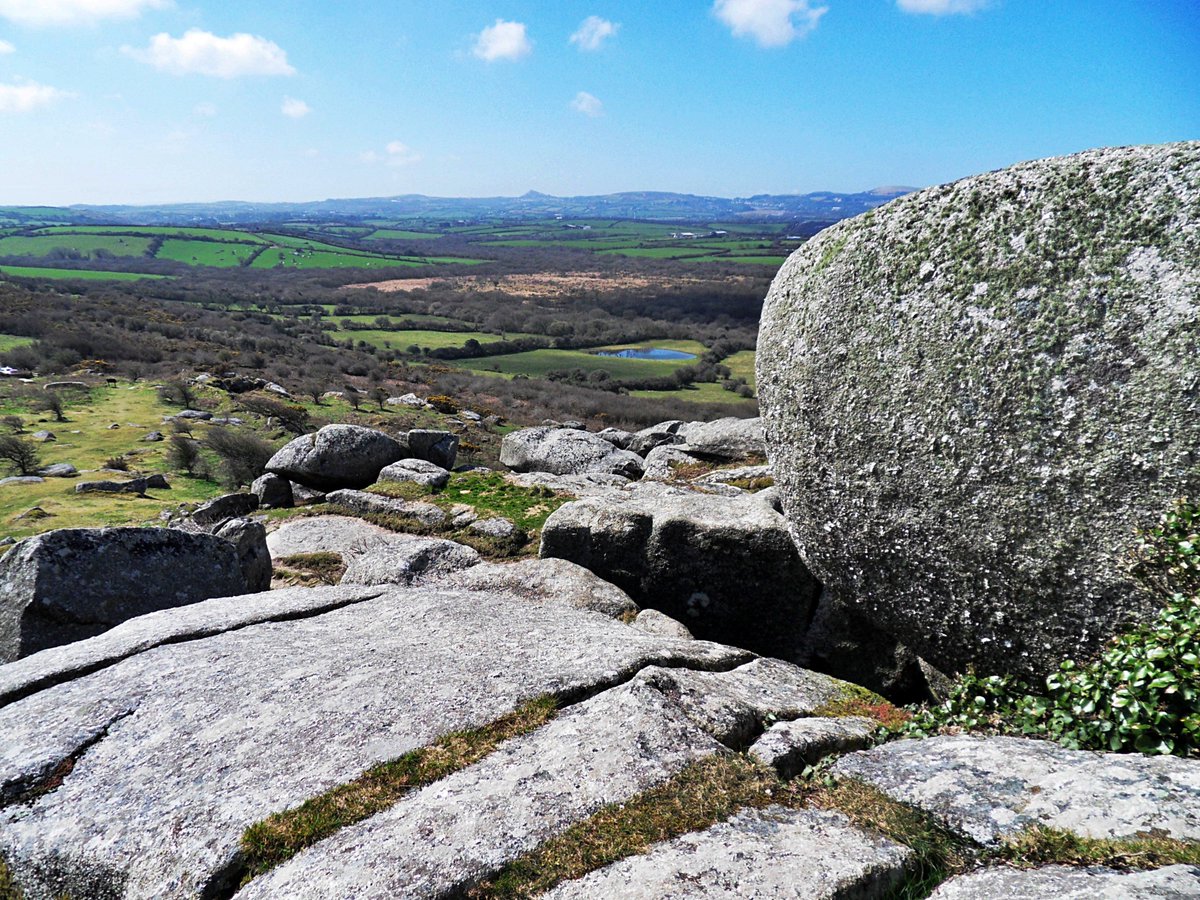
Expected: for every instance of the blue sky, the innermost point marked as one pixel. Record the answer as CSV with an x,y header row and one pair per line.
x,y
146,101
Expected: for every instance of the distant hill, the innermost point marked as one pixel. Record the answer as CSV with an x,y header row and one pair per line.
x,y
824,205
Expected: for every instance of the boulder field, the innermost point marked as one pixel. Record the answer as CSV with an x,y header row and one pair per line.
x,y
974,394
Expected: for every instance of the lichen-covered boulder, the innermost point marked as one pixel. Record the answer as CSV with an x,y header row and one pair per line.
x,y
417,471
437,447
974,394
566,451
337,456
74,583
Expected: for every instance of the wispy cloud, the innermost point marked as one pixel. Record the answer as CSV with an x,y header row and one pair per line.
x,y
772,23
203,53
28,96
504,40
588,104
73,12
6,48
942,7
395,153
594,32
295,109
205,110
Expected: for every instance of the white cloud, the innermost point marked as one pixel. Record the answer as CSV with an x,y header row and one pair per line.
x,y
73,12
593,33
295,109
587,104
504,40
203,53
205,110
772,23
395,153
6,48
399,154
26,97
942,7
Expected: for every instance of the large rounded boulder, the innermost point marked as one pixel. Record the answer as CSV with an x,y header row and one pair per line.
x,y
337,456
975,394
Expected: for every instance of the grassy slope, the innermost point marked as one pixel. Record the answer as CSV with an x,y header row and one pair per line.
x,y
431,339
539,362
137,410
86,275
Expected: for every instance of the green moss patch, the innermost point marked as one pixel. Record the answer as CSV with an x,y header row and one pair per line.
x,y
281,836
1039,845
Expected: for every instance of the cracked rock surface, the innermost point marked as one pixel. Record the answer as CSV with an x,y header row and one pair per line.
x,y
774,852
1070,883
990,788
178,748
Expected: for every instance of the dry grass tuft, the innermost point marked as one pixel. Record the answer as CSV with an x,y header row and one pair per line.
x,y
323,567
1040,845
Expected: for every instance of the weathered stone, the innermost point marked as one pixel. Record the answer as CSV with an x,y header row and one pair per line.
x,y
497,527
219,509
133,486
566,451
724,566
343,535
74,583
158,482
228,729
406,559
653,621
601,751
755,475
662,460
21,479
649,439
847,645
337,456
1070,883
250,540
198,415
154,437
550,581
772,852
437,447
735,706
43,437
305,496
615,436
273,492
417,471
975,394
726,439
790,746
592,484
406,400
60,470
66,386
365,503
276,389
993,788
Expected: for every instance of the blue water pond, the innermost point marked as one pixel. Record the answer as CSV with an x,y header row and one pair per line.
x,y
647,353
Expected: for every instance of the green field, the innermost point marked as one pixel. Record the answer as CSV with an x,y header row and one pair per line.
x,y
40,246
391,234
296,258
536,363
703,392
434,340
136,410
13,341
85,275
207,253
741,364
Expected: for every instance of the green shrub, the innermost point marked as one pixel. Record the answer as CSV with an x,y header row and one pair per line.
x,y
1142,694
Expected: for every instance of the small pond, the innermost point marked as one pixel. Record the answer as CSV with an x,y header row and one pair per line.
x,y
647,353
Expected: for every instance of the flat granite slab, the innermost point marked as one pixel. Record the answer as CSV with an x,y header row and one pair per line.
x,y
774,852
991,788
171,753
452,833
1070,883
